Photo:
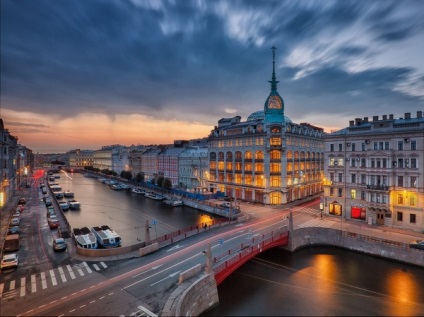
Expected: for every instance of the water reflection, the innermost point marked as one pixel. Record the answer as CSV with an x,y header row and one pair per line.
x,y
125,212
321,282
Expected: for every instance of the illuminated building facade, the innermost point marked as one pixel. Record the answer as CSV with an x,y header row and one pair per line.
x,y
267,158
374,171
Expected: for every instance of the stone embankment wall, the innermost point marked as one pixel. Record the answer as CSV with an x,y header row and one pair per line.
x,y
194,297
384,248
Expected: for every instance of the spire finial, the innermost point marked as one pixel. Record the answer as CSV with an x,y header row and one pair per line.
x,y
274,79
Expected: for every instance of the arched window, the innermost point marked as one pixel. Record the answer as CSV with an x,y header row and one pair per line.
x,y
275,155
220,156
259,155
238,155
212,156
289,155
248,155
229,156
296,155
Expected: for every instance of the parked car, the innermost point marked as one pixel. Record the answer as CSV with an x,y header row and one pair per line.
x,y
417,244
50,211
53,223
59,244
20,208
48,201
17,214
226,204
21,201
15,221
9,261
13,230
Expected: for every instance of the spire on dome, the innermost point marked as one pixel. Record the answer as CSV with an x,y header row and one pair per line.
x,y
274,80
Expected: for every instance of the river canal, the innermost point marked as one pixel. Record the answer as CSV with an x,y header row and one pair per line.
x,y
123,211
321,281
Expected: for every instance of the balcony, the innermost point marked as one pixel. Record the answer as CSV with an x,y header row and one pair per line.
x,y
378,187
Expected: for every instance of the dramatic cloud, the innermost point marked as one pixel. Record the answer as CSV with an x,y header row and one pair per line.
x,y
198,61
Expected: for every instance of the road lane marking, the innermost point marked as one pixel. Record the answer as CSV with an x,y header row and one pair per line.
x,y
96,267
12,285
53,278
23,281
87,267
71,273
80,272
62,274
103,264
169,276
33,284
1,289
153,268
43,280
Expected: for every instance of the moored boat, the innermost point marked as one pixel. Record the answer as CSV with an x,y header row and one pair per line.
x,y
68,194
73,204
154,196
84,238
106,237
138,191
174,202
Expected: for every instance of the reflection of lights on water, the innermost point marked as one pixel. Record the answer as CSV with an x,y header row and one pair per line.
x,y
404,288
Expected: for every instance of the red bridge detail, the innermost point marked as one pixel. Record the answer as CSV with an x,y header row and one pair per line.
x,y
245,253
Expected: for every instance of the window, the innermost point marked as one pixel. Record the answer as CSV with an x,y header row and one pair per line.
x,y
362,146
399,216
353,193
384,162
413,163
363,162
340,147
413,218
372,163
331,191
375,145
380,145
340,192
413,181
363,178
332,177
362,195
400,181
353,178
378,163
400,163
386,145
400,199
275,141
400,145
340,177
353,147
331,147
413,145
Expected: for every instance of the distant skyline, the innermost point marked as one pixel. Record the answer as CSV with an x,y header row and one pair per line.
x,y
84,74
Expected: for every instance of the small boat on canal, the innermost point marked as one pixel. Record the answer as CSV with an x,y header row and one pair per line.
x,y
154,196
173,202
73,204
138,191
84,238
68,194
106,237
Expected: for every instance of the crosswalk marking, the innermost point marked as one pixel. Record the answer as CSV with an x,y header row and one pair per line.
x,y
62,274
53,278
11,289
43,280
80,272
87,267
315,223
33,284
22,293
71,273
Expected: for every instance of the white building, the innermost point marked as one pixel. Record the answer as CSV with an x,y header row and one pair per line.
x,y
374,171
193,166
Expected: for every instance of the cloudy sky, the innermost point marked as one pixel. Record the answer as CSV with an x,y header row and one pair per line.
x,y
82,74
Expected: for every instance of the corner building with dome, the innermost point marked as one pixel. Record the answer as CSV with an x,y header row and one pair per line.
x,y
267,158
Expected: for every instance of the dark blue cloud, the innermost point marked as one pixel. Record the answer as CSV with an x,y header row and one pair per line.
x,y
67,57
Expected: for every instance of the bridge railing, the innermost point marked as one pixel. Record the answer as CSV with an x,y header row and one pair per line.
x,y
242,253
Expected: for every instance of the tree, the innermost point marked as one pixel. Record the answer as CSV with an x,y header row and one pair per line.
x,y
126,175
159,180
139,177
167,183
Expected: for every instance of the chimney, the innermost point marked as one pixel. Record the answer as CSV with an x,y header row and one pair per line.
x,y
365,119
384,117
407,115
357,121
374,118
351,123
419,114
390,116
